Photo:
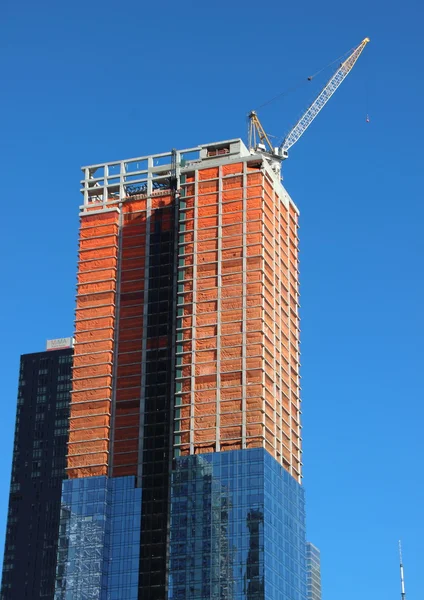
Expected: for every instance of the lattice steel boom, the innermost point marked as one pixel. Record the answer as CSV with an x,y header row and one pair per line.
x,y
325,95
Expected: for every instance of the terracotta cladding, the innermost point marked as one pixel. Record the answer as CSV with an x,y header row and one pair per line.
x,y
237,327
90,415
237,337
129,338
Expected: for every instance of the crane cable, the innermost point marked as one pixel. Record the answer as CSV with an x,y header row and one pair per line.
x,y
285,93
302,82
340,58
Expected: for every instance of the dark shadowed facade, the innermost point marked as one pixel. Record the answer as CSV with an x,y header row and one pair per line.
x,y
38,468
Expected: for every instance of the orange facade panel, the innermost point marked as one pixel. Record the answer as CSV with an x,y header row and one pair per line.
x,y
233,257
93,471
83,360
82,435
96,275
95,459
109,251
97,264
90,413
88,447
93,394
98,299
94,407
94,312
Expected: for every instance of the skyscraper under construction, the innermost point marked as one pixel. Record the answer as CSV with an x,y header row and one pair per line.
x,y
184,456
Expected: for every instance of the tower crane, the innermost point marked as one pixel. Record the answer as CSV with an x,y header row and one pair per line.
x,y
256,130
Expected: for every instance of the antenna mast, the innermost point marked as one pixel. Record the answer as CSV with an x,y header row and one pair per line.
x,y
402,580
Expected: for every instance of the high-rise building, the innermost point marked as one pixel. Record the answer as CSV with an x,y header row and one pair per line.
x,y
184,458
39,460
313,572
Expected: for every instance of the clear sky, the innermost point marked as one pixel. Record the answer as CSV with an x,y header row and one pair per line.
x,y
88,81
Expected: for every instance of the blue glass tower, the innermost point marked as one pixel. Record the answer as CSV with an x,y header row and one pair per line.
x,y
237,529
237,532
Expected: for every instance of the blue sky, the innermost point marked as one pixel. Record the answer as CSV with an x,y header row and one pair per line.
x,y
86,82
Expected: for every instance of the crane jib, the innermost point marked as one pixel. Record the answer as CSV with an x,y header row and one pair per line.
x,y
323,97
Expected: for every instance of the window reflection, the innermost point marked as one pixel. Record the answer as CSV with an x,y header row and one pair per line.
x,y
237,529
99,539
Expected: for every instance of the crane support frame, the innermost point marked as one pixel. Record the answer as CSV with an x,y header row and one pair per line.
x,y
255,127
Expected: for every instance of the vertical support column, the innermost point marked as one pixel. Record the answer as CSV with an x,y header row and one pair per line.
x,y
105,184
86,178
263,319
194,311
244,324
145,319
176,191
219,317
116,341
122,172
289,334
295,283
173,334
274,325
277,203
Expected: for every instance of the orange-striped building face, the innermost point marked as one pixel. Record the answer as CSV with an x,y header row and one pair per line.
x,y
237,325
187,327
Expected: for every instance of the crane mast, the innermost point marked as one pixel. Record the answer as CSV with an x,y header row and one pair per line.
x,y
256,128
